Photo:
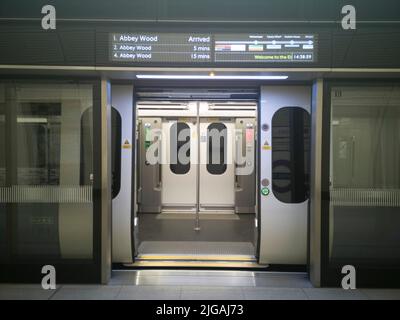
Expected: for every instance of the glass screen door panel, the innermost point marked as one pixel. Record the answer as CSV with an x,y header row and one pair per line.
x,y
364,218
47,173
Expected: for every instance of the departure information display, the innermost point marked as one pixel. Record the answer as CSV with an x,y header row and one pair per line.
x,y
264,48
213,48
161,47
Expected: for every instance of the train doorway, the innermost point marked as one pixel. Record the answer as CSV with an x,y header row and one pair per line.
x,y
196,180
211,177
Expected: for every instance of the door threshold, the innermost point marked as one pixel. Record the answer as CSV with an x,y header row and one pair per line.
x,y
195,257
200,261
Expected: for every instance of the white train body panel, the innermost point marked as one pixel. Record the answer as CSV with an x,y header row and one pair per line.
x,y
283,226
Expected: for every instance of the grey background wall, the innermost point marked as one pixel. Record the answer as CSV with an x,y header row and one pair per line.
x,y
83,26
205,10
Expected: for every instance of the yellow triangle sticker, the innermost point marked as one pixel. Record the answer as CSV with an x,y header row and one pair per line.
x,y
127,144
266,146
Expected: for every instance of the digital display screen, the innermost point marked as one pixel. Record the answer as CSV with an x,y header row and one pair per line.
x,y
264,48
212,48
161,47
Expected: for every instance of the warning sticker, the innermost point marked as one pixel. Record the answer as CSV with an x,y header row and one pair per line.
x,y
266,146
126,145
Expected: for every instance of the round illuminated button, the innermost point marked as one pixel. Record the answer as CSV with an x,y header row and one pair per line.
x,y
264,191
265,182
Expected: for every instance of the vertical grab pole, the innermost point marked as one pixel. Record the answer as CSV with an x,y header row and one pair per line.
x,y
197,219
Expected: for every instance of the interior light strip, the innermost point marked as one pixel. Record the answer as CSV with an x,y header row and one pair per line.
x,y
208,77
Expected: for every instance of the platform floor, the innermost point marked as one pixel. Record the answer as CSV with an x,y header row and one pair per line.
x,y
196,285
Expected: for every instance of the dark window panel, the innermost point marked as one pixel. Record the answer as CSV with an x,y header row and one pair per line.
x,y
179,136
290,154
217,139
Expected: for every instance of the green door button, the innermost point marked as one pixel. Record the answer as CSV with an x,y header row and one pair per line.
x,y
264,191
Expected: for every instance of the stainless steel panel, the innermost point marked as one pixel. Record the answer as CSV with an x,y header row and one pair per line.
x,y
212,278
149,180
315,183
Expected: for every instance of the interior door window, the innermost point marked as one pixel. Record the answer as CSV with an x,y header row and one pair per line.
x,y
217,148
180,148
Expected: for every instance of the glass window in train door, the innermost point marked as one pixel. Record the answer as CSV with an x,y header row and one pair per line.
x,y
291,154
179,148
217,148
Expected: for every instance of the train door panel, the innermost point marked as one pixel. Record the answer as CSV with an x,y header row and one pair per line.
x,y
123,150
217,172
149,160
179,167
284,174
245,165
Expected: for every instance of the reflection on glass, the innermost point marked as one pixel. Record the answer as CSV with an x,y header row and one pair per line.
x,y
3,221
38,130
47,210
365,176
116,136
291,154
86,169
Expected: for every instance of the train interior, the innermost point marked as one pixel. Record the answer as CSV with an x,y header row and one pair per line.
x,y
195,169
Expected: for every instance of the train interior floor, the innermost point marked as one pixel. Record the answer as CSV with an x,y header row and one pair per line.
x,y
174,234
